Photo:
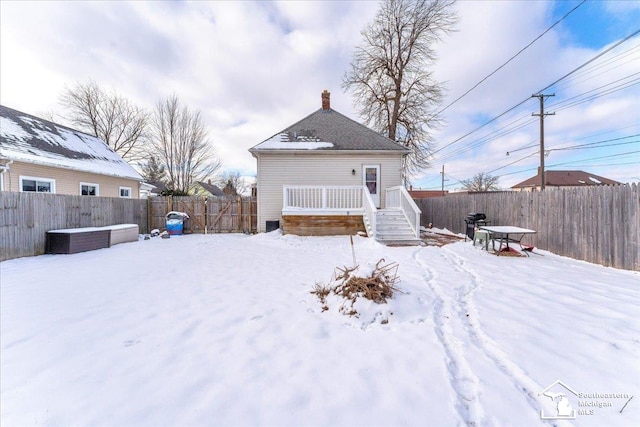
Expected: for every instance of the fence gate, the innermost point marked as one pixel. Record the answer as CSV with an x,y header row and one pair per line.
x,y
194,207
214,215
232,215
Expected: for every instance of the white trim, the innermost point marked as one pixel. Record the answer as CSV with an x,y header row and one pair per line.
x,y
97,186
401,151
120,192
322,212
37,178
375,197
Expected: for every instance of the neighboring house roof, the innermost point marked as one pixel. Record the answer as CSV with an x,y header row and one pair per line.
x,y
327,130
423,194
212,189
566,179
158,185
29,139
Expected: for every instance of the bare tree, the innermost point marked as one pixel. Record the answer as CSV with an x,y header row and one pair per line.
x,y
390,74
108,116
481,182
181,145
233,184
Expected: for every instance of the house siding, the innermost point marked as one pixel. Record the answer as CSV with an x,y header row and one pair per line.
x,y
67,181
277,170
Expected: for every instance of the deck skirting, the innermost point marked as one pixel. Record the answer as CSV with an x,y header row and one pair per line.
x,y
322,225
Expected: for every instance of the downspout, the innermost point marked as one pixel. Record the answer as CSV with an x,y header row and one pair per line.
x,y
3,169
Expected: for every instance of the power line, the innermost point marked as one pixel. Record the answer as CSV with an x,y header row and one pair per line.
x,y
609,63
513,163
589,145
609,49
547,87
596,158
510,59
575,147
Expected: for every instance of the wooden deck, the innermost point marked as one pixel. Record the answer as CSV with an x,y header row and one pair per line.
x,y
322,225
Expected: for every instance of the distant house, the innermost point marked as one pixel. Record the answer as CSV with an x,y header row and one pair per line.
x,y
563,179
40,156
327,174
206,189
424,194
147,190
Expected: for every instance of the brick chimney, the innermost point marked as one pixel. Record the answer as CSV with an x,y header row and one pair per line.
x,y
326,100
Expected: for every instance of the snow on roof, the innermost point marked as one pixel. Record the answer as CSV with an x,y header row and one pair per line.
x,y
284,141
328,130
29,139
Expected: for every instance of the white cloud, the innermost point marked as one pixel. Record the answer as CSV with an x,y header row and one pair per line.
x,y
254,68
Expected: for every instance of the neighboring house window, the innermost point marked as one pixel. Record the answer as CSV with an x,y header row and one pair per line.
x,y
37,185
88,189
125,192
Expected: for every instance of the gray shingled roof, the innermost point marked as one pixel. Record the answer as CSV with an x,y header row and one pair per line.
x,y
330,131
212,188
30,139
566,178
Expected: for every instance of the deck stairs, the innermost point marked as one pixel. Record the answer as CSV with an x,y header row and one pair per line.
x,y
392,227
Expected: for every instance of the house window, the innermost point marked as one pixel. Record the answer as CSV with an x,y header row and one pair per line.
x,y
37,185
88,189
125,192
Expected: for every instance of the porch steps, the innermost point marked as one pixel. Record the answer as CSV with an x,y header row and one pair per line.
x,y
392,227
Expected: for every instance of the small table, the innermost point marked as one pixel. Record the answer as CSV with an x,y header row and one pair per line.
x,y
505,234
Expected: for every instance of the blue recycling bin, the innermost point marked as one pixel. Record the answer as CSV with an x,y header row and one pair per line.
x,y
175,222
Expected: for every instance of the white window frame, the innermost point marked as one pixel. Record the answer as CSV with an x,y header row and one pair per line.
x,y
93,184
124,188
37,178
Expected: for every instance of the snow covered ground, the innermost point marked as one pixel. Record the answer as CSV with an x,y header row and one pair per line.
x,y
223,330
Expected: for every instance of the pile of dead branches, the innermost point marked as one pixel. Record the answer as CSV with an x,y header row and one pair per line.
x,y
350,283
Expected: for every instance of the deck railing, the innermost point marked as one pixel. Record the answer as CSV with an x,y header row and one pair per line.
x,y
319,200
370,212
399,197
329,198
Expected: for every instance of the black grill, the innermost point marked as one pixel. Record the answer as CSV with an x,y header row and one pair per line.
x,y
473,220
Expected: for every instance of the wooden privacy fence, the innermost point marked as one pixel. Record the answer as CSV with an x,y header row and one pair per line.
x,y
25,218
599,224
233,214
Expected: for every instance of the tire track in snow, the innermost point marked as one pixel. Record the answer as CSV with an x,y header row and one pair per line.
x,y
462,378
469,316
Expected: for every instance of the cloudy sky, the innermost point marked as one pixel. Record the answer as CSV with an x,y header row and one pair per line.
x,y
254,68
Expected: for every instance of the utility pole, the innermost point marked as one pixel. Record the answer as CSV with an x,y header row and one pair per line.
x,y
442,173
541,97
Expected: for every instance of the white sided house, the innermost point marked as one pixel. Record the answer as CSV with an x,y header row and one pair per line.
x,y
37,155
329,175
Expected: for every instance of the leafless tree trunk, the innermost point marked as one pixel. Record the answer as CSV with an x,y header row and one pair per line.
x,y
233,184
181,145
390,78
481,182
108,116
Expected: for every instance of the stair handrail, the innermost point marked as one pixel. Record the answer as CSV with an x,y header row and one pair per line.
x,y
369,211
399,197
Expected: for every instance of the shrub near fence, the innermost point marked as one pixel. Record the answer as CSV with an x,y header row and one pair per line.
x,y
599,224
25,218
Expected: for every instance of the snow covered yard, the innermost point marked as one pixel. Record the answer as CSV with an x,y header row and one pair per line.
x,y
223,330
